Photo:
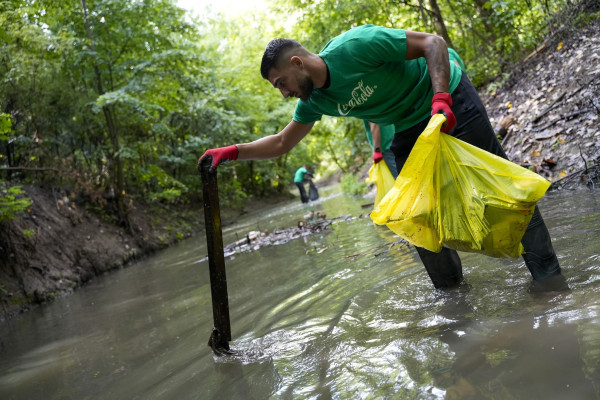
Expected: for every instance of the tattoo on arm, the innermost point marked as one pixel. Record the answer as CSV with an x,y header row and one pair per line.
x,y
436,56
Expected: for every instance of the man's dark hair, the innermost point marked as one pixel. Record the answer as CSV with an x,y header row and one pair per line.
x,y
275,49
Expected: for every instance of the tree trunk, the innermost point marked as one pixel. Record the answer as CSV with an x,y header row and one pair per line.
x,y
485,13
438,22
109,115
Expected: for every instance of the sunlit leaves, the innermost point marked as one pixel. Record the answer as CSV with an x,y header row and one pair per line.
x,y
489,34
150,89
12,202
5,126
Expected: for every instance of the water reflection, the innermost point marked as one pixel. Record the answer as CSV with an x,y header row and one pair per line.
x,y
346,313
532,355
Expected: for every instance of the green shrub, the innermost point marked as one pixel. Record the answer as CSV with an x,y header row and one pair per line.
x,y
10,203
353,185
28,234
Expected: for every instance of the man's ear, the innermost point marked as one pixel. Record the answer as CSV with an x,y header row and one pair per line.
x,y
297,62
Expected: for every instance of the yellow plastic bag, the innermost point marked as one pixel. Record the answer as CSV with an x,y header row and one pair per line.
x,y
380,174
450,193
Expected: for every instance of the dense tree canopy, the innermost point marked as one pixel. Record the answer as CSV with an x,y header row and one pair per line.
x,y
117,99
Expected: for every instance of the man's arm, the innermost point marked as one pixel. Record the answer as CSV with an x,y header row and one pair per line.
x,y
376,137
274,145
267,147
435,51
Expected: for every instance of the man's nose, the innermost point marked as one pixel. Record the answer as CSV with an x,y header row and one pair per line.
x,y
285,93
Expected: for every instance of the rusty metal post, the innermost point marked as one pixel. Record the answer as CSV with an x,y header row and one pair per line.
x,y
221,335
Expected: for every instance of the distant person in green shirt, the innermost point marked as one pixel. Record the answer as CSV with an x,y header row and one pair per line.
x,y
299,179
389,77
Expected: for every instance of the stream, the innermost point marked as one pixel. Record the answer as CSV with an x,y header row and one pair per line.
x,y
346,313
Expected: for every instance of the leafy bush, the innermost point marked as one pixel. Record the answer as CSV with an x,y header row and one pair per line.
x,y
5,126
28,234
353,185
10,203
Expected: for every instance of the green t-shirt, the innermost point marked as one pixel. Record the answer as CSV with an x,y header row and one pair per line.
x,y
299,177
453,55
372,80
387,135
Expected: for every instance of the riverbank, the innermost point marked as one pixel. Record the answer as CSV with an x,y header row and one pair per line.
x,y
547,113
61,243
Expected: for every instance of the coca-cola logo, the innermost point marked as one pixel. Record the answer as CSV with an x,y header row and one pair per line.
x,y
360,94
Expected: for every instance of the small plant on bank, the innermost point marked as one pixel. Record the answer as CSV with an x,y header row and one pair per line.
x,y
12,204
352,185
28,234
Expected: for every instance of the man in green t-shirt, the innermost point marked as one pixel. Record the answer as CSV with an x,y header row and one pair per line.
x,y
299,181
389,77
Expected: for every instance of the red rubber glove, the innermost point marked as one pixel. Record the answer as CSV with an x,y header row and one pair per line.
x,y
220,155
377,155
441,103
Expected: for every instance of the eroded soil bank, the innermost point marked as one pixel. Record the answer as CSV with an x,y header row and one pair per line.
x,y
547,113
59,245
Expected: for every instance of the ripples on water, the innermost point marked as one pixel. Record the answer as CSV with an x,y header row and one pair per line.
x,y
348,313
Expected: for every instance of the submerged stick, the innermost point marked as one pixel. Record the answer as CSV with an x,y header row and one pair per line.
x,y
221,333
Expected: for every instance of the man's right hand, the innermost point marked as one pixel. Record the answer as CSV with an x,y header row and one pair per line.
x,y
220,155
440,104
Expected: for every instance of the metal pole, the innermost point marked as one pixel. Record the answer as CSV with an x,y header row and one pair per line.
x,y
221,335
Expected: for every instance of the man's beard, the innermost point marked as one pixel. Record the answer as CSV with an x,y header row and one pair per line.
x,y
306,87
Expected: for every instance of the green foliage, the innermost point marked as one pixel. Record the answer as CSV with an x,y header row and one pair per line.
x,y
342,141
160,185
236,196
28,234
353,185
490,35
124,96
170,195
492,87
5,126
12,203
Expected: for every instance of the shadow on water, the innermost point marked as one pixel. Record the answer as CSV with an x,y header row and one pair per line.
x,y
344,313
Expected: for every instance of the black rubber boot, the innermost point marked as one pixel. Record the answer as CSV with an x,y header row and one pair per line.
x,y
539,255
444,268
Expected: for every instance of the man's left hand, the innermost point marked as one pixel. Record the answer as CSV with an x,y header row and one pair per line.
x,y
377,156
440,104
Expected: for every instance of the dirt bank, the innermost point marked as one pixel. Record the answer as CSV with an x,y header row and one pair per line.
x,y
59,245
547,113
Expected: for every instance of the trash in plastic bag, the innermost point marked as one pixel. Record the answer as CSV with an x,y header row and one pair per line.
x,y
380,174
451,193
313,192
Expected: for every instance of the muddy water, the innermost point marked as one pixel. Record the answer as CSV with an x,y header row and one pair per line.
x,y
345,314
